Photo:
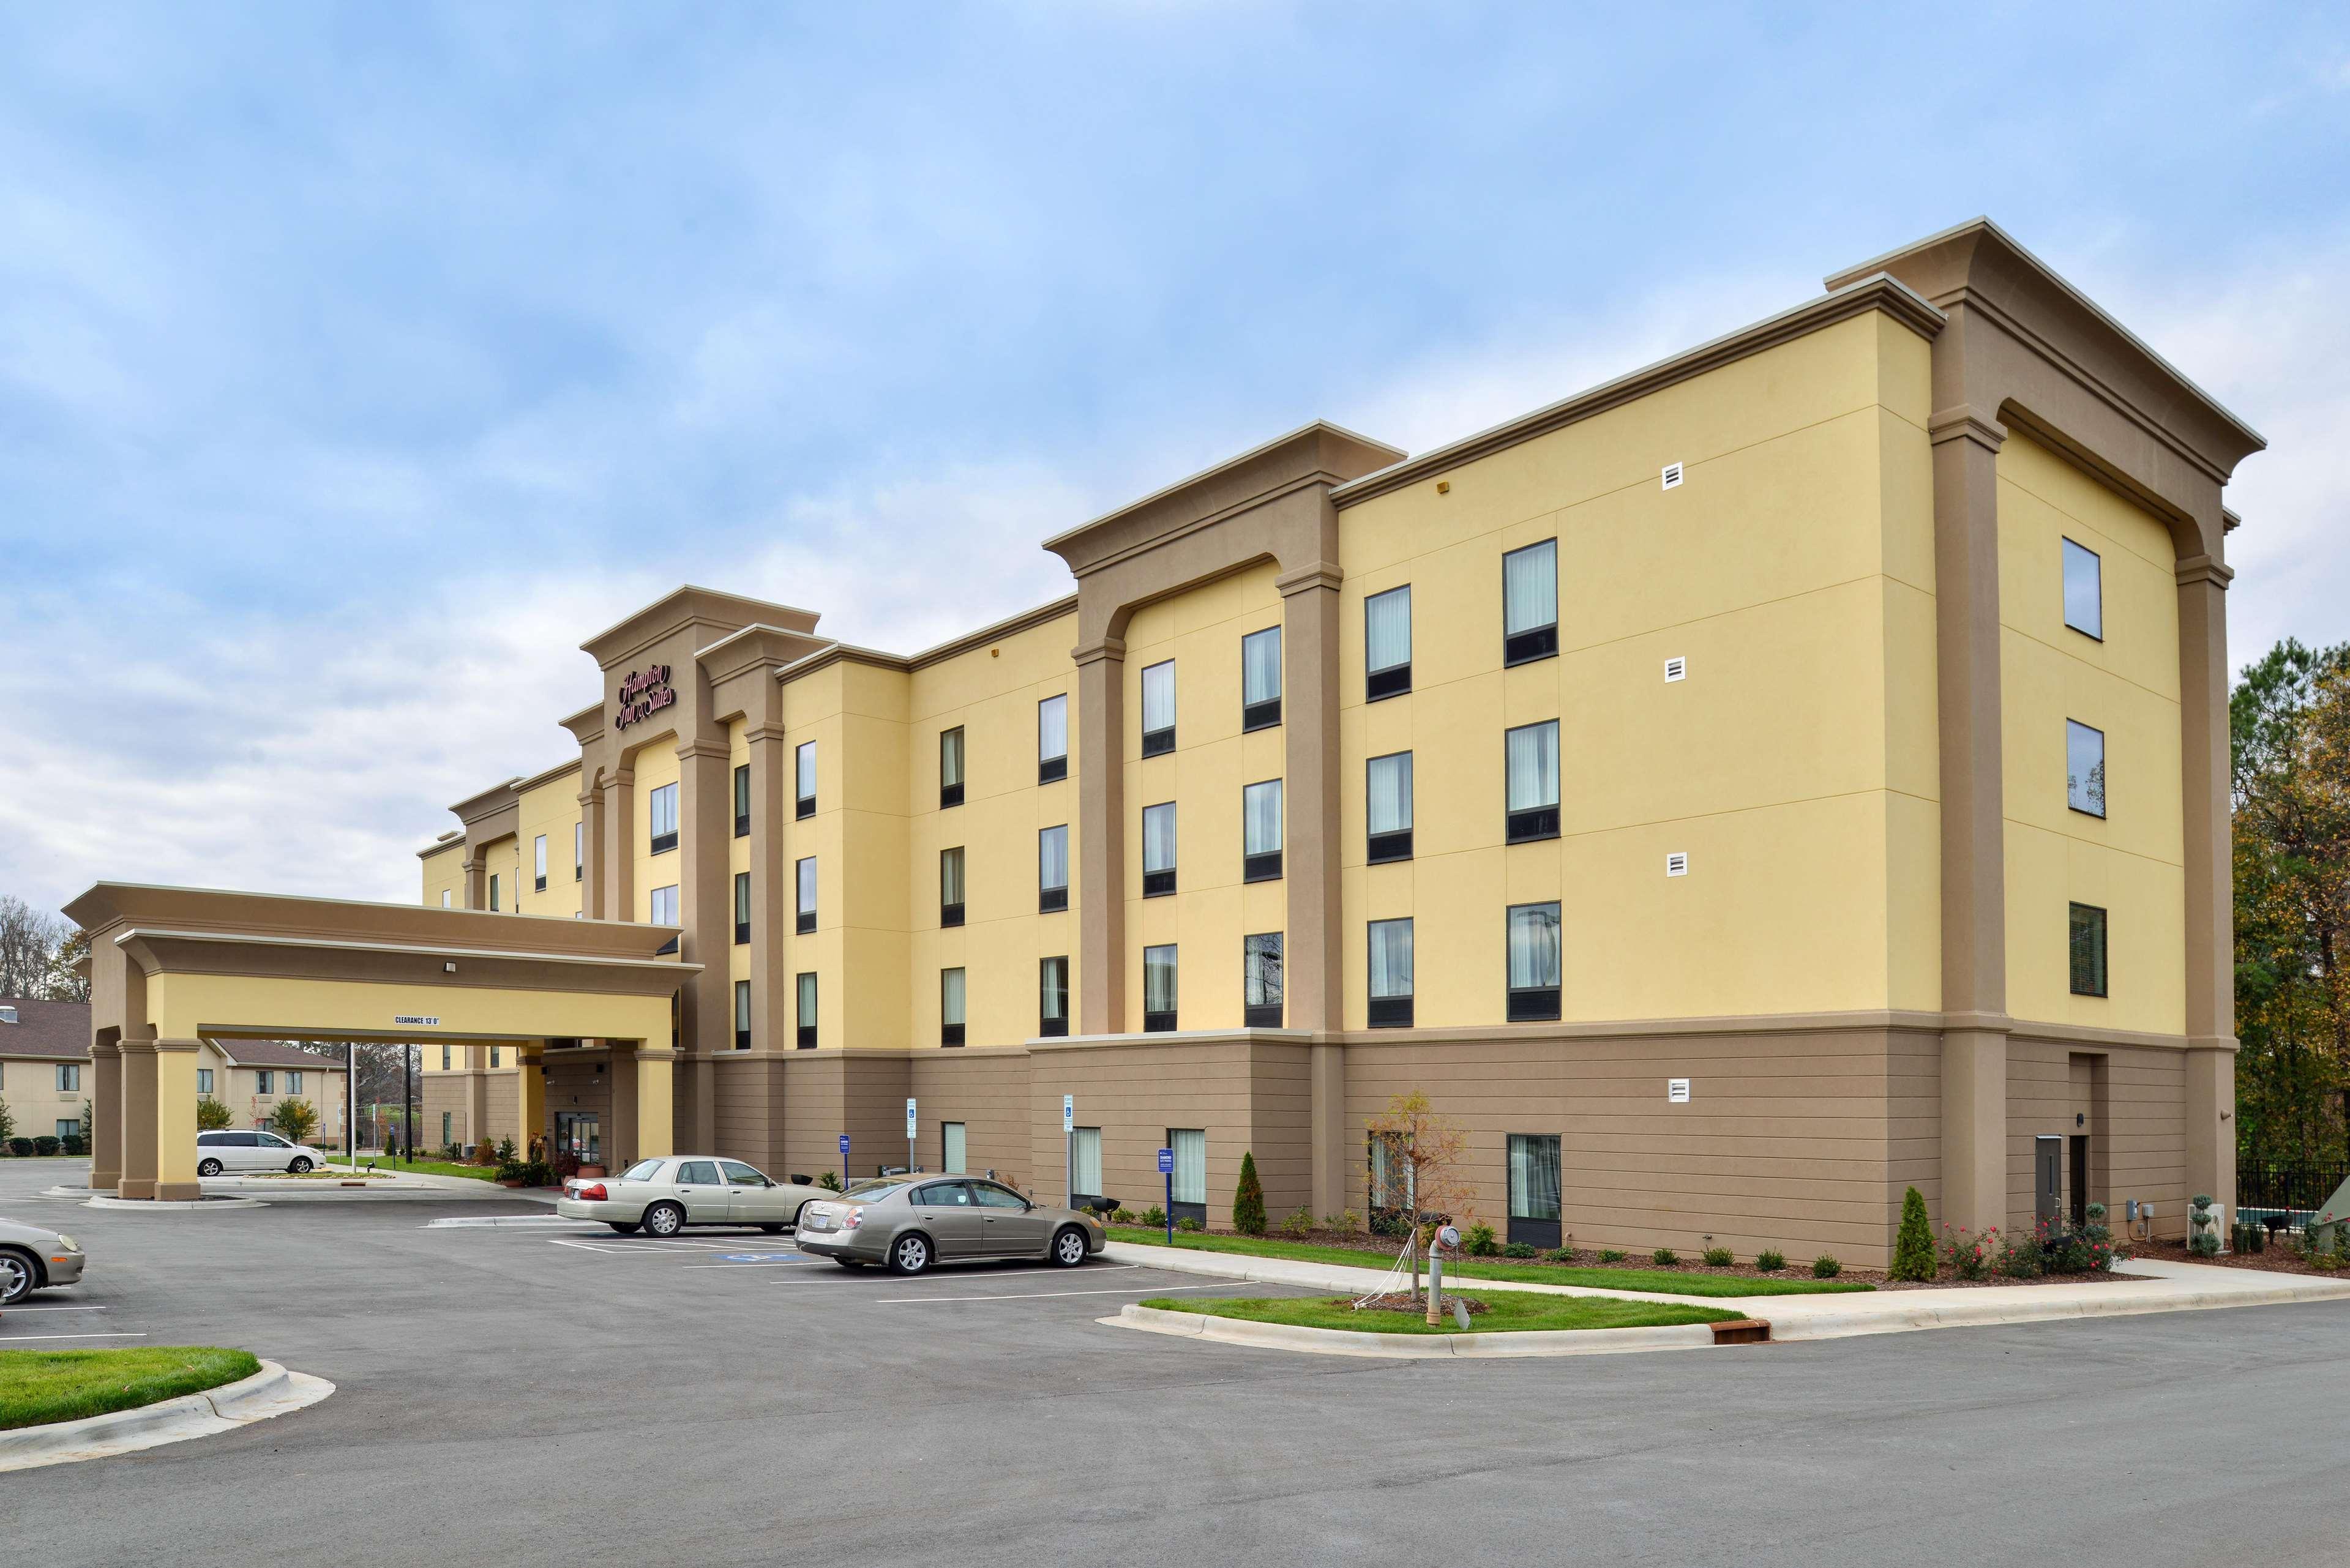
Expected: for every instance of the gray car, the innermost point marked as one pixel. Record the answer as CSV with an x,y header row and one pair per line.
x,y
909,1222
32,1259
665,1195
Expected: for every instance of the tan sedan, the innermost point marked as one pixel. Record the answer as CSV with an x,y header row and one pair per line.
x,y
913,1221
664,1195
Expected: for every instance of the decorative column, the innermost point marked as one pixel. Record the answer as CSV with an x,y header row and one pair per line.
x,y
105,1113
772,788
655,1116
591,886
1100,979
530,1101
705,821
175,1120
1966,442
617,852
477,880
1313,988
477,1095
2205,800
139,1120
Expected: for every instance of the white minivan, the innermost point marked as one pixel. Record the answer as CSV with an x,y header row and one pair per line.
x,y
219,1152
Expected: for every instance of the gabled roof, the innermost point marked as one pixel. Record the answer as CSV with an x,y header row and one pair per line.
x,y
56,1030
274,1053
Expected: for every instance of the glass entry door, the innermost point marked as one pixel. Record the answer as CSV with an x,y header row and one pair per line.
x,y
579,1134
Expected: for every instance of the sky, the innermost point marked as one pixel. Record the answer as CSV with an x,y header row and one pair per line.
x,y
357,362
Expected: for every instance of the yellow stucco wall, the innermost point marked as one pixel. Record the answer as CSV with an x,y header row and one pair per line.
x,y
186,1006
1796,764
549,807
2130,862
444,871
655,765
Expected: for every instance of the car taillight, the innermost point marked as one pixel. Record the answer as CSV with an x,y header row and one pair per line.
x,y
852,1219
593,1193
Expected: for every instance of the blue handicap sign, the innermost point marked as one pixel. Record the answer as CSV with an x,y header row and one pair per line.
x,y
844,1143
758,1258
1166,1162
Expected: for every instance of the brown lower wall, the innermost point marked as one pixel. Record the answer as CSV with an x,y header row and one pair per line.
x,y
2131,1102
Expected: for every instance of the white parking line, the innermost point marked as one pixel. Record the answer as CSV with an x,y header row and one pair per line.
x,y
61,1309
13,1338
1040,1296
769,1263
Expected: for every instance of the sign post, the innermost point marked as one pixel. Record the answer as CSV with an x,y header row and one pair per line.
x,y
1069,1147
1166,1169
910,1127
844,1160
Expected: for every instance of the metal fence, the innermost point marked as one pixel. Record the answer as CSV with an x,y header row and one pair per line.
x,y
2287,1189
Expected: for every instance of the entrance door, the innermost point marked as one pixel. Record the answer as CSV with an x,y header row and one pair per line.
x,y
2080,1179
580,1134
2047,1178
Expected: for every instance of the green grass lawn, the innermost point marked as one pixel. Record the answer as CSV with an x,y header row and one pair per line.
x,y
436,1168
1510,1312
1656,1281
38,1387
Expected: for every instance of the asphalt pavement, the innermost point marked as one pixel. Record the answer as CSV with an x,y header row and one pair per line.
x,y
539,1394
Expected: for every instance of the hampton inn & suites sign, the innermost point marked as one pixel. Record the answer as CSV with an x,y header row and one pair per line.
x,y
643,694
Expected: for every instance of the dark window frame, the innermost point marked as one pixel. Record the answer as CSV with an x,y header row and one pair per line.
x,y
1394,680
1265,712
1532,643
742,908
1159,884
1048,1025
1264,1015
1155,743
2104,928
804,986
952,794
662,843
743,800
1532,824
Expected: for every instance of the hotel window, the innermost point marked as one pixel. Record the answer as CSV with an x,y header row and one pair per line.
x,y
950,767
951,886
260,1082
1390,974
742,1015
806,870
1533,1189
951,1144
69,1078
1260,679
538,863
1053,739
1261,832
1261,992
2088,951
1159,989
1533,962
1387,644
494,890
69,1128
203,1080
1389,797
445,1058
579,852
2085,591
1159,708
293,1083
448,1128
949,1007
1158,850
662,906
1085,1163
445,899
1530,754
1053,868
804,1014
493,1056
742,908
1052,996
1187,1196
663,819
743,800
1530,603
804,779
2085,768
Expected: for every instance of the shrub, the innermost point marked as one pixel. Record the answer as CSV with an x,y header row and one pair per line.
x,y
1664,1257
486,1153
1825,1267
1612,1255
2020,1258
537,1173
1248,1199
20,1147
1913,1246
212,1115
507,1151
44,1145
2204,1228
1518,1249
1299,1225
1123,1217
1155,1217
1560,1254
1770,1260
74,1145
7,1126
1480,1243
828,1181
1717,1258
1346,1223
510,1170
1187,1223
1970,1257
295,1121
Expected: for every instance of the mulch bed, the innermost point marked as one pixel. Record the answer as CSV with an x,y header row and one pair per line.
x,y
2278,1258
1405,1303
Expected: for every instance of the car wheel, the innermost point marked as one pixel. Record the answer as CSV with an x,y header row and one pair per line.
x,y
1069,1247
301,1165
664,1220
208,1167
910,1253
625,1227
773,1230
16,1277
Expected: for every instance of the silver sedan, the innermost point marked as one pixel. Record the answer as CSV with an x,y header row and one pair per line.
x,y
32,1259
664,1195
913,1221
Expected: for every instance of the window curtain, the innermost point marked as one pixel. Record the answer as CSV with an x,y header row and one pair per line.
x,y
1386,630
1390,792
1532,756
1052,984
1261,818
1533,946
741,897
1159,979
807,1018
1053,858
1261,666
1529,587
1533,1177
1158,696
1391,958
1085,1161
807,884
1190,1146
950,996
951,1147
804,760
1262,982
1159,837
951,875
1052,729
742,1004
950,757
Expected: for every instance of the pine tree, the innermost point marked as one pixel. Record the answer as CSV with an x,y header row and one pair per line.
x,y
1913,1249
1248,1199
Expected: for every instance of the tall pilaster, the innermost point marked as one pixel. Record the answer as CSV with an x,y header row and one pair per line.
x,y
705,814
1313,962
105,1115
139,1122
771,790
1100,979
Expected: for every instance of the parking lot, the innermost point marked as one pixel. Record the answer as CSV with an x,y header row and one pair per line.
x,y
550,1393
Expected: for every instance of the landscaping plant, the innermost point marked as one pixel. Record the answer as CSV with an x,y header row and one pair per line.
x,y
1248,1199
1664,1257
1717,1258
295,1121
212,1116
2020,1258
1770,1260
2204,1228
1299,1225
1825,1267
7,1124
1187,1223
1612,1255
1155,1217
1561,1254
1913,1246
1518,1249
1479,1242
1970,1257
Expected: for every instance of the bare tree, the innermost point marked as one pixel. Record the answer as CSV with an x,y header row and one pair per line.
x,y
66,983
28,944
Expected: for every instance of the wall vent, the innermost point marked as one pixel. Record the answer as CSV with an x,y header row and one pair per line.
x,y
1676,863
1677,669
1672,475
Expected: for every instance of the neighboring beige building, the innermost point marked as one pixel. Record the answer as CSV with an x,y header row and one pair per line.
x,y
45,1073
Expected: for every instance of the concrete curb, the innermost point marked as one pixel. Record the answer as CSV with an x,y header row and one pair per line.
x,y
271,1392
543,1222
1410,1346
155,1205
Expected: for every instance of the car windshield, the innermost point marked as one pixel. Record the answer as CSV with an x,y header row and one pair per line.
x,y
873,1189
643,1171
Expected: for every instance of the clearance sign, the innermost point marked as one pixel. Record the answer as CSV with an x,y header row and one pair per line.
x,y
643,694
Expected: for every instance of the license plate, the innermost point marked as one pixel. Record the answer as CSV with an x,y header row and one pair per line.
x,y
820,1222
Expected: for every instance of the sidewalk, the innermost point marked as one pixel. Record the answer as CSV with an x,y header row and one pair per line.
x,y
2145,1286
388,1187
